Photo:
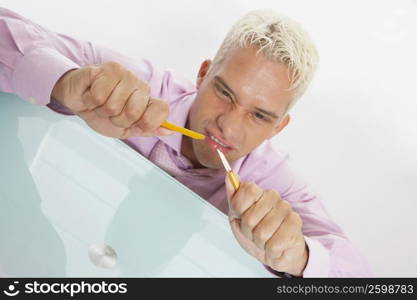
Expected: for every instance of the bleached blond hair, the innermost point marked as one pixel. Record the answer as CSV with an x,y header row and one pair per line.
x,y
281,39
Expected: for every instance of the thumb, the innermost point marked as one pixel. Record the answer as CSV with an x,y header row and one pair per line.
x,y
230,191
161,131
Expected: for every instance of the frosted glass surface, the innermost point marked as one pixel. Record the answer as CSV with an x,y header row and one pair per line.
x,y
64,187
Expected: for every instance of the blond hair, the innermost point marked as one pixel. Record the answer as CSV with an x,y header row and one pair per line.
x,y
280,39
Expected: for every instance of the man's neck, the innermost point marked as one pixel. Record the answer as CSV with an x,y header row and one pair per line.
x,y
187,151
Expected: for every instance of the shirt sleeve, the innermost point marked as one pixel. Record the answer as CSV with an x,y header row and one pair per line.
x,y
331,253
164,84
33,58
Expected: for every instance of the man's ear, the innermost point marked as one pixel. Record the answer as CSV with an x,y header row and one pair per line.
x,y
284,122
202,72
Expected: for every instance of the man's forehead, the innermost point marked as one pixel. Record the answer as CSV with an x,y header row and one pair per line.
x,y
251,65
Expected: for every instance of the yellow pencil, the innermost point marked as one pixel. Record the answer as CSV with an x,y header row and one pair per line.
x,y
182,130
232,176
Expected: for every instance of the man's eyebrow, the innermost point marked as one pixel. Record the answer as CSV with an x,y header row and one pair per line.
x,y
225,86
230,91
269,113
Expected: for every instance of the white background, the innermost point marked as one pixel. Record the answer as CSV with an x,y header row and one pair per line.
x,y
353,136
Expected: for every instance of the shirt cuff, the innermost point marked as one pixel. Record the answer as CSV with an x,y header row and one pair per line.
x,y
37,72
277,273
318,264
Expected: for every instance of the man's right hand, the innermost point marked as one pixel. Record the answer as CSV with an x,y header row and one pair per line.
x,y
112,101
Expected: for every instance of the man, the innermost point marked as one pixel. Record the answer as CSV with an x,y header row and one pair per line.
x,y
241,100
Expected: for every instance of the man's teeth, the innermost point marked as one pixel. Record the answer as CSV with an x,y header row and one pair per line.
x,y
218,142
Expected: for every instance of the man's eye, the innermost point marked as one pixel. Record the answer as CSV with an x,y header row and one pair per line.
x,y
222,91
259,116
225,93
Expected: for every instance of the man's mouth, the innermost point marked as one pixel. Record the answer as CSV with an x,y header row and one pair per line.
x,y
215,142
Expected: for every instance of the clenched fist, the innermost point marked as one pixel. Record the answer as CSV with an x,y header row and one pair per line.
x,y
267,228
112,101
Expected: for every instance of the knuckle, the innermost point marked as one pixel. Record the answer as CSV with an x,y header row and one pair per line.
x,y
275,247
95,71
269,194
260,236
146,123
143,87
131,79
164,114
130,76
135,106
244,186
274,194
163,110
131,113
251,189
114,66
111,109
288,239
248,221
97,97
293,239
163,106
284,205
297,219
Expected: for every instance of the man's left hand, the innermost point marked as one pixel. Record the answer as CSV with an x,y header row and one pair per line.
x,y
267,227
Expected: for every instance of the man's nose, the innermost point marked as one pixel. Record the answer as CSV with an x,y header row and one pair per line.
x,y
231,123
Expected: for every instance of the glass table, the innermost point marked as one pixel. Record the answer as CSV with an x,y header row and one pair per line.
x,y
74,203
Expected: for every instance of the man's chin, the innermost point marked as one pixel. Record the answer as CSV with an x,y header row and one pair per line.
x,y
207,158
210,163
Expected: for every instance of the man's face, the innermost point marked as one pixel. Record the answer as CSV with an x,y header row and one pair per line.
x,y
239,104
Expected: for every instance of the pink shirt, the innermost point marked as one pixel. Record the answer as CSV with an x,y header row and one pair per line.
x,y
32,59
